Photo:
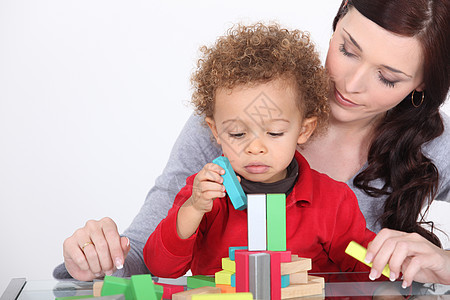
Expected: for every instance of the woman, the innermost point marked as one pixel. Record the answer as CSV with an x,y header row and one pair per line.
x,y
389,65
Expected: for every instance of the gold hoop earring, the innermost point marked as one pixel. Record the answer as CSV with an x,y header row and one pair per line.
x,y
412,99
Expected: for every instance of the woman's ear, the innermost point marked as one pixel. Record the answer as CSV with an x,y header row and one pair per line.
x,y
308,127
421,87
212,125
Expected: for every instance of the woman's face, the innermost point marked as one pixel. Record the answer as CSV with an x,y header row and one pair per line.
x,y
372,69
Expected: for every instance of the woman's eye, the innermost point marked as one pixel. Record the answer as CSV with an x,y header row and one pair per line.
x,y
385,81
237,135
275,133
344,51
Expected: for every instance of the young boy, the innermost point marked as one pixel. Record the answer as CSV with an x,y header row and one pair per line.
x,y
263,92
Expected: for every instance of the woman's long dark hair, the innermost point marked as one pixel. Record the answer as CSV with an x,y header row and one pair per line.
x,y
410,178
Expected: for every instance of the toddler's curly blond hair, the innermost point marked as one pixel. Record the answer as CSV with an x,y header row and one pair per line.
x,y
250,55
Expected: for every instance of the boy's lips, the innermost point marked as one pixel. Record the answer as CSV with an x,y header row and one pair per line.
x,y
343,101
256,168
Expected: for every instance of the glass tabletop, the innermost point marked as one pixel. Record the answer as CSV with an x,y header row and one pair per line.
x,y
337,286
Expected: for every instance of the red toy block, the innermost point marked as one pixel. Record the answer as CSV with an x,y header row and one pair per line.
x,y
169,289
242,284
276,258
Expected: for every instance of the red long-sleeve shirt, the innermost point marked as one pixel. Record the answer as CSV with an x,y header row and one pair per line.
x,y
322,217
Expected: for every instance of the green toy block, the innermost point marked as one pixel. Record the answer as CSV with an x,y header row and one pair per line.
x,y
276,222
231,183
142,287
159,291
198,281
116,285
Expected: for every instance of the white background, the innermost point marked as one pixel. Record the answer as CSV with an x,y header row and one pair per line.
x,y
92,96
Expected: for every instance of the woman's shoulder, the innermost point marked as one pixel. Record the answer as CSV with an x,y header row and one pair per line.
x,y
438,149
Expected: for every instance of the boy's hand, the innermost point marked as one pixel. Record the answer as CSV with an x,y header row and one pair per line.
x,y
208,185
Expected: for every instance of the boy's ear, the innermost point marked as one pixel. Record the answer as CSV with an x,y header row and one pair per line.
x,y
212,125
308,127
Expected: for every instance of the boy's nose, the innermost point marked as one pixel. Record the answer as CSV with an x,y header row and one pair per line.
x,y
256,147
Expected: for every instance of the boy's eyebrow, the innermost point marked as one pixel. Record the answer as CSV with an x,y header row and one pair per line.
x,y
265,119
360,49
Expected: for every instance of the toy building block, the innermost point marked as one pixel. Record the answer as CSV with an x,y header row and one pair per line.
x,y
232,250
115,285
242,284
223,277
197,281
276,258
276,222
318,279
358,252
228,264
301,290
231,183
297,264
235,296
186,295
285,280
299,277
142,287
169,289
225,288
259,275
256,222
233,280
97,288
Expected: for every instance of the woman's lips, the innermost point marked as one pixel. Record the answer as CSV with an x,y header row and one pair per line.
x,y
256,168
343,101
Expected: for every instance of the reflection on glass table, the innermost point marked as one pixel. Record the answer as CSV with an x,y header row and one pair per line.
x,y
337,286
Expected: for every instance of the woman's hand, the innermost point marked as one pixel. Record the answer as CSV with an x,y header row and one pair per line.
x,y
411,254
95,250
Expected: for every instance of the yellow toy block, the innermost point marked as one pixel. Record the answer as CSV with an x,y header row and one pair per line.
x,y
228,264
223,277
358,252
235,296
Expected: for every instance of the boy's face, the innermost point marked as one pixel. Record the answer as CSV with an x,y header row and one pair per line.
x,y
259,128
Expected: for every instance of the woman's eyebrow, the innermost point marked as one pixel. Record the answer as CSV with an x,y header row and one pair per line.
x,y
360,49
353,40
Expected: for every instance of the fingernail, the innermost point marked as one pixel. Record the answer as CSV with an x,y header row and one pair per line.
x,y
368,258
373,274
128,243
98,274
109,272
118,263
404,285
392,276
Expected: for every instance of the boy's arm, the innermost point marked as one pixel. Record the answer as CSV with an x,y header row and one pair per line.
x,y
165,253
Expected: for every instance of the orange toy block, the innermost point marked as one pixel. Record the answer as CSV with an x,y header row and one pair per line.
x,y
97,288
226,289
186,295
297,264
301,290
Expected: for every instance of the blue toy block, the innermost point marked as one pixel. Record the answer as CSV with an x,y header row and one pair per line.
x,y
233,280
285,280
232,250
231,183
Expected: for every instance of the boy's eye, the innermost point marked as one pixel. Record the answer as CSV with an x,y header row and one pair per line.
x,y
275,133
237,135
